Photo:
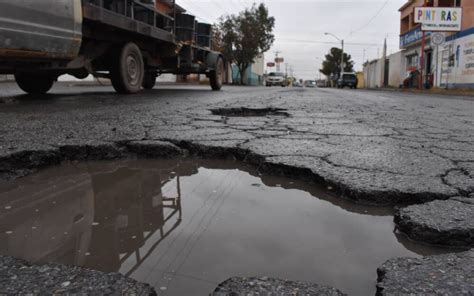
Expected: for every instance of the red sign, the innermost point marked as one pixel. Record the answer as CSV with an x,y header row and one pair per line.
x,y
270,65
279,60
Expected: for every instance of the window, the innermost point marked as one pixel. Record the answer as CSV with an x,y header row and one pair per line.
x,y
449,3
412,61
405,24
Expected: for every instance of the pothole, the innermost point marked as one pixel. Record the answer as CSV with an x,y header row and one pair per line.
x,y
189,224
250,112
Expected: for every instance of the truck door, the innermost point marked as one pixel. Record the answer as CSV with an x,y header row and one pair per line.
x,y
40,29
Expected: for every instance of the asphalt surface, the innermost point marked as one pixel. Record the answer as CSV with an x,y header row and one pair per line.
x,y
20,278
376,147
369,146
270,286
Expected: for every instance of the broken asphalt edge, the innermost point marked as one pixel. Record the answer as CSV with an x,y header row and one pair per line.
x,y
22,163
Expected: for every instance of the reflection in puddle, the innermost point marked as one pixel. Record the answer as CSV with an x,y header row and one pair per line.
x,y
186,225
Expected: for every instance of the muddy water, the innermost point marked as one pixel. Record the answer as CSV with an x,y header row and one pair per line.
x,y
184,226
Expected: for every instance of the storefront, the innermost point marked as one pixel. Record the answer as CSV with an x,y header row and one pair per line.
x,y
449,63
410,42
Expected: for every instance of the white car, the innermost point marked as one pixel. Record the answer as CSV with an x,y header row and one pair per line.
x,y
276,78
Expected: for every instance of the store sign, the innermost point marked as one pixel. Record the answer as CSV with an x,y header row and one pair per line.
x,y
411,37
270,65
441,19
438,38
279,60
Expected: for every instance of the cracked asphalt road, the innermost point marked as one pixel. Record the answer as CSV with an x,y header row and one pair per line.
x,y
375,147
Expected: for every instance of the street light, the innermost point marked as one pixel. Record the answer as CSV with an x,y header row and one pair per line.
x,y
342,46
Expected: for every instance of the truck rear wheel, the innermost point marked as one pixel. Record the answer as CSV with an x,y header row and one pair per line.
x,y
149,81
128,70
36,84
216,77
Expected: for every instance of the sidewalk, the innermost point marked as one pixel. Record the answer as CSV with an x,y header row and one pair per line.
x,y
434,91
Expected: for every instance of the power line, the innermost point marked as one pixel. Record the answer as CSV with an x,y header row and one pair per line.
x,y
329,42
371,20
193,11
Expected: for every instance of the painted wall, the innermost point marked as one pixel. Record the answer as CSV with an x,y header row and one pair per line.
x,y
461,74
360,80
253,74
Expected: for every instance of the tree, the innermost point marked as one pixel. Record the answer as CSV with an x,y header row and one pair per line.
x,y
332,64
246,36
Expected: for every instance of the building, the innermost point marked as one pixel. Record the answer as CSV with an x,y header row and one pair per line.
x,y
254,75
447,65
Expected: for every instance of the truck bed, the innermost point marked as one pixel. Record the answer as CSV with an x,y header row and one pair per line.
x,y
132,16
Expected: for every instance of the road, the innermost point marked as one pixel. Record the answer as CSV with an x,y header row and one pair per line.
x,y
374,147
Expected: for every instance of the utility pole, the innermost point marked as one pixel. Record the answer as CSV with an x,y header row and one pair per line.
x,y
342,57
276,60
422,61
451,49
342,48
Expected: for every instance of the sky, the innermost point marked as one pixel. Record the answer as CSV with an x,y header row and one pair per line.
x,y
300,27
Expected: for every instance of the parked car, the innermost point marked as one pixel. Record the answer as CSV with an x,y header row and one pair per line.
x,y
310,83
276,78
347,79
321,83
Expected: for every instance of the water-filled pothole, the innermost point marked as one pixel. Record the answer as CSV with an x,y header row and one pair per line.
x,y
249,112
184,226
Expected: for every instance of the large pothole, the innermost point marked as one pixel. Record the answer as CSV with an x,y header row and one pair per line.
x,y
185,225
250,112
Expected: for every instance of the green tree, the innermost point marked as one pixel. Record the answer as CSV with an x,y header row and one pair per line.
x,y
246,36
332,64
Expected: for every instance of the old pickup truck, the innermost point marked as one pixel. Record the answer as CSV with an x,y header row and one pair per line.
x,y
128,41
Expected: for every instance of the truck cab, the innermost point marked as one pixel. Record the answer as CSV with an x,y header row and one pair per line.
x,y
28,30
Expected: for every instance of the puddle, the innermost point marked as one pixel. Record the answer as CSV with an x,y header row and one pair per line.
x,y
185,226
250,112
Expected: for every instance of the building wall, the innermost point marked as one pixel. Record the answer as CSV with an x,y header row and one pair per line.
x,y
468,14
407,11
396,69
372,74
373,71
360,80
254,73
259,66
461,74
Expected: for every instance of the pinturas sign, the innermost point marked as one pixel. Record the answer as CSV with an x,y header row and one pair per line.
x,y
447,19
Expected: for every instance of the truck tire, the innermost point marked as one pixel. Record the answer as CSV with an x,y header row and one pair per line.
x,y
36,84
149,81
216,76
128,69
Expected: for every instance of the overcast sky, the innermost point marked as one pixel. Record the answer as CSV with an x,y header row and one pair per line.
x,y
300,27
